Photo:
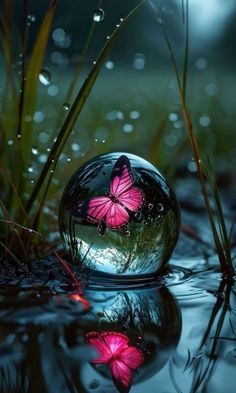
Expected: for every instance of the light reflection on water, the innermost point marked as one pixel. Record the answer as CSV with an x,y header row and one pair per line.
x,y
43,346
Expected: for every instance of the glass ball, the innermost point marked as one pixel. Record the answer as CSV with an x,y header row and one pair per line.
x,y
118,215
149,319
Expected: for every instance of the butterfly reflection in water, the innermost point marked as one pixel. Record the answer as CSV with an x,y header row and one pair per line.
x,y
114,350
113,210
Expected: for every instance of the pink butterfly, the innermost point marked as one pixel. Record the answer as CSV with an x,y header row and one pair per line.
x,y
112,210
114,351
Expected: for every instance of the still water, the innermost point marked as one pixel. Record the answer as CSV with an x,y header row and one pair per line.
x,y
177,334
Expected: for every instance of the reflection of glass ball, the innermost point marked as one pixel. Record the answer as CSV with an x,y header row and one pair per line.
x,y
118,215
150,319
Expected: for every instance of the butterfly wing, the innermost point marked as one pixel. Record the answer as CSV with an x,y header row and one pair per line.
x,y
117,342
132,199
116,216
121,178
131,357
121,185
93,209
122,376
105,355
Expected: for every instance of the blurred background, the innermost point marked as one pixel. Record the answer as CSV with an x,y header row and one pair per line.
x,y
134,105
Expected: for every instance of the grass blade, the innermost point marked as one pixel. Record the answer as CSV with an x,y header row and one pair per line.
x,y
32,73
186,51
77,107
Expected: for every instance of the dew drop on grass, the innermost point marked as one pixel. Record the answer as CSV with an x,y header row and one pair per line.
x,y
68,159
192,167
45,77
66,106
34,151
10,142
98,15
30,169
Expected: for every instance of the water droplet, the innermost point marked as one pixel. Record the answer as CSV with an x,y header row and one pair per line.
x,y
128,128
117,25
53,90
38,117
150,206
103,140
18,136
173,116
75,147
43,137
160,21
31,18
59,58
109,65
119,115
34,151
68,159
201,64
30,169
167,9
98,15
110,253
59,34
43,158
94,62
171,140
10,142
108,37
204,121
160,207
48,149
139,61
134,115
45,77
211,89
66,106
121,19
31,181
127,233
192,167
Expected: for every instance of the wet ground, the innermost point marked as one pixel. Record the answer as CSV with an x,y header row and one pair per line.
x,y
177,334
